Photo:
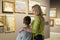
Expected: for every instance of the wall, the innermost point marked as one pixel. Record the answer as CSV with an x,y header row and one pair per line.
x,y
55,4
19,19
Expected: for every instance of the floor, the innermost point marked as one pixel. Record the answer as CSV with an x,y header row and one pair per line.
x,y
54,36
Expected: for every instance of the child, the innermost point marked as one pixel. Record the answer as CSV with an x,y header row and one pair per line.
x,y
25,32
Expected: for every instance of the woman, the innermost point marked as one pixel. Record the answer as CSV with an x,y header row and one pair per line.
x,y
38,23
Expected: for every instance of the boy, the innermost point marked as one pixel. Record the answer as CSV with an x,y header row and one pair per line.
x,y
25,32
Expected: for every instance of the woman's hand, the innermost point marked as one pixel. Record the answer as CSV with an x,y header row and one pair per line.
x,y
29,30
20,29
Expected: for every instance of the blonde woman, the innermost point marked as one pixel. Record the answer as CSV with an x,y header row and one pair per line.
x,y
38,23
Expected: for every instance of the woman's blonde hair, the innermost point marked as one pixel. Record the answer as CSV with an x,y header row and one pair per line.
x,y
37,8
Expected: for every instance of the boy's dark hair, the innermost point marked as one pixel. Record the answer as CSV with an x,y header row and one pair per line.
x,y
27,20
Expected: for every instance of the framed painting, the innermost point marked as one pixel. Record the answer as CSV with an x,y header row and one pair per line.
x,y
57,21
53,13
1,29
51,22
10,23
43,8
20,6
2,20
2,23
8,7
32,3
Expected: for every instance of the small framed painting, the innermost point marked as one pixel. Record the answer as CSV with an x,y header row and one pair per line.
x,y
8,7
43,8
53,13
57,21
2,20
1,29
10,23
51,22
20,6
2,23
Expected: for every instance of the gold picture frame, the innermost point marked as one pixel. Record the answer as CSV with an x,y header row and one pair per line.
x,y
7,6
57,21
2,20
51,22
20,7
43,8
2,23
53,13
10,23
32,3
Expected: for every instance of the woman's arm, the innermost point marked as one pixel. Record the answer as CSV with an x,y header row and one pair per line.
x,y
29,30
20,29
36,25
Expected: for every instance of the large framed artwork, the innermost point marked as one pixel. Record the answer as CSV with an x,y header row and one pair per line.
x,y
32,3
10,23
7,6
53,13
57,21
51,22
20,6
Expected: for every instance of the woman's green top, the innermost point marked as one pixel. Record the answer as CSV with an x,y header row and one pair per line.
x,y
38,26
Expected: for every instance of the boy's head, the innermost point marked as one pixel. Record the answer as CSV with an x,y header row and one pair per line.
x,y
27,20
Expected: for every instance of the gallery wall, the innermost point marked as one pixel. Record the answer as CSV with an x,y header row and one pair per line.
x,y
55,4
19,21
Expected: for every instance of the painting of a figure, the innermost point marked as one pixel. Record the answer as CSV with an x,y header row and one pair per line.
x,y
10,23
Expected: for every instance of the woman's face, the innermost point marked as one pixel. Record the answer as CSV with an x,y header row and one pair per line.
x,y
33,11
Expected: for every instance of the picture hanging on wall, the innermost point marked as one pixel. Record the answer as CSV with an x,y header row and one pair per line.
x,y
57,21
20,6
53,13
51,22
2,20
32,3
2,23
7,7
1,29
44,10
10,23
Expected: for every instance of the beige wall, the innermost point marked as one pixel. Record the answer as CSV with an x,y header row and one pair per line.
x,y
55,4
19,19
